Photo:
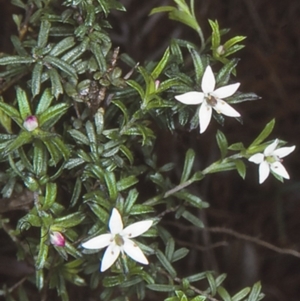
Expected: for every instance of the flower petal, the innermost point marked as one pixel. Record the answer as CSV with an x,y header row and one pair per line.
x,y
264,171
279,169
205,113
115,222
224,108
136,229
208,81
225,91
270,148
133,251
191,98
110,256
98,242
257,158
284,151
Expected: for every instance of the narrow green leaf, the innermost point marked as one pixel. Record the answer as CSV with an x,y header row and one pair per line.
x,y
56,85
39,279
45,102
166,263
11,112
24,138
36,78
241,168
223,293
188,165
16,59
228,44
133,84
43,249
43,34
99,212
40,159
55,154
61,147
127,182
69,220
50,196
60,64
72,55
212,283
198,64
161,9
222,143
184,18
79,137
193,219
215,38
161,65
76,192
127,152
99,121
264,134
196,277
96,50
241,294
161,287
23,104
91,134
111,184
255,292
170,248
130,200
51,115
140,209
224,74
62,46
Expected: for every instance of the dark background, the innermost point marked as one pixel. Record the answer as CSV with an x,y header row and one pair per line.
x,y
270,67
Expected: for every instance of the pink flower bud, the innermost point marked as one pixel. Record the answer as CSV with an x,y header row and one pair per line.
x,y
57,239
157,83
31,123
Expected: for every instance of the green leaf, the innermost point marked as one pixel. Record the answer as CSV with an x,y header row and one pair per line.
x,y
212,283
130,200
264,134
228,44
179,254
99,212
224,74
188,165
161,287
192,219
127,182
196,277
36,78
96,50
79,137
54,152
62,46
140,209
39,279
184,18
56,85
111,184
222,143
133,84
11,112
161,65
166,263
16,59
40,159
60,64
50,196
216,37
24,107
161,9
241,168
43,34
241,294
198,64
45,102
111,281
241,97
192,199
170,248
223,293
127,152
43,249
24,138
60,145
69,220
255,292
51,115
76,192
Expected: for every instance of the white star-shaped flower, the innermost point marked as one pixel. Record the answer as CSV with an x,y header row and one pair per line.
x,y
119,240
210,99
270,160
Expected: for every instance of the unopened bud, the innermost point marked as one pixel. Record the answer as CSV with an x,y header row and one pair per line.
x,y
57,239
31,123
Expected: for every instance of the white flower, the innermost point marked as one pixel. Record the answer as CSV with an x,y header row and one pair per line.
x,y
210,99
119,241
271,160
